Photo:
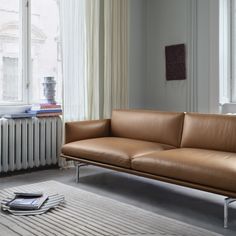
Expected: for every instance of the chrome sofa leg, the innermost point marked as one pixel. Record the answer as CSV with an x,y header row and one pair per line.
x,y
77,166
226,206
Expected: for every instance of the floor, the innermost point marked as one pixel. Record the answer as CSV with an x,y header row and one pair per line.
x,y
191,206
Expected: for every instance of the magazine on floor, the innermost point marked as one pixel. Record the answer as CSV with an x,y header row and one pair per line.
x,y
27,201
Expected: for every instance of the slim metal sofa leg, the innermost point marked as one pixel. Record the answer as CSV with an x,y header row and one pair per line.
x,y
226,207
77,168
77,172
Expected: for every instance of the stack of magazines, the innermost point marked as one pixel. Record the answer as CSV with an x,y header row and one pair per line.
x,y
25,204
45,109
27,201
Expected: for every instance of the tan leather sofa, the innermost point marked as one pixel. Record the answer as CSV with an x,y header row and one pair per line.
x,y
188,149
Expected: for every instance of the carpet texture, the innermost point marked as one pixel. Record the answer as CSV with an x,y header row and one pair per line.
x,y
88,214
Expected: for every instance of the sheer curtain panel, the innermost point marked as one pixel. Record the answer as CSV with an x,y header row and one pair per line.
x,y
92,72
73,44
115,55
94,43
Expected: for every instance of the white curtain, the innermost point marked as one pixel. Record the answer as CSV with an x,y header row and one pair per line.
x,y
92,72
95,60
115,55
72,21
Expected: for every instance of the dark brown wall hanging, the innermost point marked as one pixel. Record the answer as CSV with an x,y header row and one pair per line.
x,y
175,62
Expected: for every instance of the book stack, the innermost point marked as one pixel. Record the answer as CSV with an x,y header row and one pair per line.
x,y
45,110
27,201
31,203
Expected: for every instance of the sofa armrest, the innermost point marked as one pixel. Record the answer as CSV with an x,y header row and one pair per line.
x,y
79,130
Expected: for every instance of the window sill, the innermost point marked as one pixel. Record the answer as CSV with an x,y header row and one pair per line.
x,y
228,108
9,110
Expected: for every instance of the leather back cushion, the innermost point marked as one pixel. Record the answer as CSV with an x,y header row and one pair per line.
x,y
217,132
155,126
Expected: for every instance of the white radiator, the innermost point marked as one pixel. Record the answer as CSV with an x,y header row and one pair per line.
x,y
28,143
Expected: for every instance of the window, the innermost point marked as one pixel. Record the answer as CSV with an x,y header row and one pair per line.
x,y
10,82
227,51
233,50
29,49
44,44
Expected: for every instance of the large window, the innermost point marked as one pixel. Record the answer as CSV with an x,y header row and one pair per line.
x,y
10,89
227,51
29,49
233,49
11,79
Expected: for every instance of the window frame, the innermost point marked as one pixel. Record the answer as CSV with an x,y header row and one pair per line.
x,y
225,57
26,52
24,44
232,51
227,46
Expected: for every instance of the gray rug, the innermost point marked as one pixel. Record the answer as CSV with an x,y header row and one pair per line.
x,y
88,214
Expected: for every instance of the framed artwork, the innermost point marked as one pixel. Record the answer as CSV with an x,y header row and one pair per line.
x,y
175,56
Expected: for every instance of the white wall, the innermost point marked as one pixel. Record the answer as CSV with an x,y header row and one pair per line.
x,y
171,22
203,55
208,56
137,53
166,25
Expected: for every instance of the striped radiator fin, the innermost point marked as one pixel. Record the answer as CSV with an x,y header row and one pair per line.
x,y
28,143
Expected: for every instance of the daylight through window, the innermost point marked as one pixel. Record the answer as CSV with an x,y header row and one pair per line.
x,y
29,49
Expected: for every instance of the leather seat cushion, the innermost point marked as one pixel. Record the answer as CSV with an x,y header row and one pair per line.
x,y
215,169
111,150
